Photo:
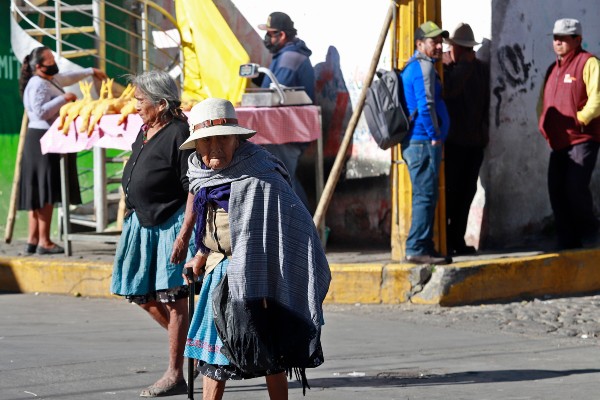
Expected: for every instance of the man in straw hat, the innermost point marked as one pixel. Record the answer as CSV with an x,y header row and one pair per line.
x,y
422,146
259,312
570,122
467,96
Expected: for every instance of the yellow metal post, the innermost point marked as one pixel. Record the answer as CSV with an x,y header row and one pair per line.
x,y
411,14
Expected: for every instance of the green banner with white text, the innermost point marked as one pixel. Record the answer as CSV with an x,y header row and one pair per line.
x,y
11,106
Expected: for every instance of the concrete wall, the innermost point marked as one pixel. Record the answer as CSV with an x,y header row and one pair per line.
x,y
514,172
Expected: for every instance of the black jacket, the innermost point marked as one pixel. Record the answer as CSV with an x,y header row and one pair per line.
x,y
155,177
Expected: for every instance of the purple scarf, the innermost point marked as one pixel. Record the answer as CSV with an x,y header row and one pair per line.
x,y
219,195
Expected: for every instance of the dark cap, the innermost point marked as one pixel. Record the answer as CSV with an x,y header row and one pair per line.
x,y
429,29
278,21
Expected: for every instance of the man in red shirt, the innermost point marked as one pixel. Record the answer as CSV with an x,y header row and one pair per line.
x,y
570,122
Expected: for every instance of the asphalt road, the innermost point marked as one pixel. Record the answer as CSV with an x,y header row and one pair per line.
x,y
59,347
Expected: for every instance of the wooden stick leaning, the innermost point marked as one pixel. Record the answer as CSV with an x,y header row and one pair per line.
x,y
336,170
14,195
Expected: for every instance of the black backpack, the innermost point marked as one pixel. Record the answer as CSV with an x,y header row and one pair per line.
x,y
385,109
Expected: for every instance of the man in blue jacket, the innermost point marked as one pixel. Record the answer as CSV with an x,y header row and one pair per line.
x,y
422,147
292,67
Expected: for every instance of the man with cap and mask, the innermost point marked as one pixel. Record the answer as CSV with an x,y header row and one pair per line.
x,y
467,96
292,67
570,122
422,146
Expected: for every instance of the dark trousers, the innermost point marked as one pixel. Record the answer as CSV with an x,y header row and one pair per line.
x,y
569,175
461,165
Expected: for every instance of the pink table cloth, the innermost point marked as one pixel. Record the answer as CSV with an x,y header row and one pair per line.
x,y
275,125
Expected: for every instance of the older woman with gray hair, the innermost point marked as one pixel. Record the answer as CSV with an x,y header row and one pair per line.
x,y
155,242
259,312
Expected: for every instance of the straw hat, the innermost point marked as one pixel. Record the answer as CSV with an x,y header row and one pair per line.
x,y
213,117
463,36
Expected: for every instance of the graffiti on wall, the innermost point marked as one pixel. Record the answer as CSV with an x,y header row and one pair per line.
x,y
516,76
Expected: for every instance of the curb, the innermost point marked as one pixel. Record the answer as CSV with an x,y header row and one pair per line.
x,y
554,274
58,276
467,282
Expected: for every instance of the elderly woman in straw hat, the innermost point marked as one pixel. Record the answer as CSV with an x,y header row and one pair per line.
x,y
155,241
265,272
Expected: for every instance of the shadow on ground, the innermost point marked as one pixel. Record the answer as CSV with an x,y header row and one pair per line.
x,y
403,378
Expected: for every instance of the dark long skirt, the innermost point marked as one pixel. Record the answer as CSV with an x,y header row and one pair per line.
x,y
39,183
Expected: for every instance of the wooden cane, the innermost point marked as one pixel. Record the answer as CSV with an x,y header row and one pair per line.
x,y
338,164
12,208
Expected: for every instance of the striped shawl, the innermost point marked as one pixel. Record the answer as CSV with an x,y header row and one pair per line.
x,y
276,251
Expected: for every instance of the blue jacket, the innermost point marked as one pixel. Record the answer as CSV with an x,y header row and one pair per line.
x,y
291,67
423,92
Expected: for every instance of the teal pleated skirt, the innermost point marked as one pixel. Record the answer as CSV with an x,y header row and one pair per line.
x,y
142,261
203,342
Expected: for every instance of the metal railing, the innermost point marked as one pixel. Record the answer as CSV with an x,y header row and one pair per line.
x,y
88,28
143,51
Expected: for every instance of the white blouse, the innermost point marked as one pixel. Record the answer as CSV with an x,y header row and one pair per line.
x,y
43,99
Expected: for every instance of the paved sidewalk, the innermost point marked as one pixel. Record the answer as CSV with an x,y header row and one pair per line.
x,y
67,348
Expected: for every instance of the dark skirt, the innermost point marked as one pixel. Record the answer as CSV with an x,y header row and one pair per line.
x,y
39,183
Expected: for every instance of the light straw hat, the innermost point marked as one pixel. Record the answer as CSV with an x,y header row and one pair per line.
x,y
213,117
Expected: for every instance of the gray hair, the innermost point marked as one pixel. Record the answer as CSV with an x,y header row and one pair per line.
x,y
158,86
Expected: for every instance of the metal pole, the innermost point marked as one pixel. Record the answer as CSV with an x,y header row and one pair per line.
x,y
58,23
100,29
145,32
66,200
334,175
100,188
319,180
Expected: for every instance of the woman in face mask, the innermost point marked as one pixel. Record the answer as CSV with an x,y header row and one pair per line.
x,y
39,187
